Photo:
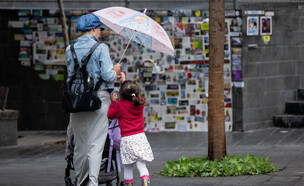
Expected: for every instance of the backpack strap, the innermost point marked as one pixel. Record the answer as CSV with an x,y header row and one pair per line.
x,y
98,84
74,56
85,59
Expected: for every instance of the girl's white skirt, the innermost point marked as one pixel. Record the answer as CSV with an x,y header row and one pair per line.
x,y
135,147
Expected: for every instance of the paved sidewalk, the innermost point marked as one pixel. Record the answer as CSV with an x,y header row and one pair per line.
x,y
32,162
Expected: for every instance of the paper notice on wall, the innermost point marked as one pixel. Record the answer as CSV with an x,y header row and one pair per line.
x,y
24,43
19,37
254,12
39,67
238,84
182,127
44,76
51,71
205,26
58,77
157,113
154,127
186,42
16,24
26,63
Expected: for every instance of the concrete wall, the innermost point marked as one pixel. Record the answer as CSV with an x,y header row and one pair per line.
x,y
272,72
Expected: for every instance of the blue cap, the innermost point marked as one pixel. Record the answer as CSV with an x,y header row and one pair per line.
x,y
88,22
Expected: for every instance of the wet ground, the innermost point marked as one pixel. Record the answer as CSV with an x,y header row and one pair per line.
x,y
38,159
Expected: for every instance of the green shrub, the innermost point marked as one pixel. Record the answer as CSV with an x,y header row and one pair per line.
x,y
231,165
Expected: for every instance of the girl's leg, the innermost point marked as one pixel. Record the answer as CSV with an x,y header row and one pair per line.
x,y
144,173
128,174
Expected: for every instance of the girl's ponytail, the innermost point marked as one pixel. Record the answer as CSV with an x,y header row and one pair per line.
x,y
129,90
137,101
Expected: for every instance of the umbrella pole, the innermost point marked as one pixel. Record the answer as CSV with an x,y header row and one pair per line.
x,y
127,47
129,41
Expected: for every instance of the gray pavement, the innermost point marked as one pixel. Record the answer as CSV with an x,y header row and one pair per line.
x,y
32,162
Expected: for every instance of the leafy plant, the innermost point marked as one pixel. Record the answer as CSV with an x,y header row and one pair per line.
x,y
231,165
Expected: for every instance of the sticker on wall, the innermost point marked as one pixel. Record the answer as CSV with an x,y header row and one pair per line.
x,y
172,101
252,25
236,42
39,67
154,127
25,63
170,125
154,101
182,126
228,126
180,118
183,102
228,116
182,110
266,25
44,76
171,109
156,113
59,77
266,39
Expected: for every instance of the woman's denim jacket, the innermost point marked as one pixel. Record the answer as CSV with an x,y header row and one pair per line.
x,y
99,65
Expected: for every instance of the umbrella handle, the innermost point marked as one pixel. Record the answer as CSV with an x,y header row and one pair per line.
x,y
126,47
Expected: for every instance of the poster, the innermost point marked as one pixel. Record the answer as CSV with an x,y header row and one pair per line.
x,y
252,25
266,25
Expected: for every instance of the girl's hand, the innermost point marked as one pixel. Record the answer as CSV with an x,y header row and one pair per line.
x,y
122,77
113,97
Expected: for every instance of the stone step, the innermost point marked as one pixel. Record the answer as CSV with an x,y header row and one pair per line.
x,y
294,107
300,94
289,121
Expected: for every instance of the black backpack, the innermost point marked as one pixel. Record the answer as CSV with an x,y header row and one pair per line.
x,y
80,94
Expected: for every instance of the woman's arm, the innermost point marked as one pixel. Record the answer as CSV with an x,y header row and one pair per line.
x,y
106,66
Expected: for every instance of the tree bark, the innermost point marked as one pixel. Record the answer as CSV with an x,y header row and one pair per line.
x,y
216,119
63,23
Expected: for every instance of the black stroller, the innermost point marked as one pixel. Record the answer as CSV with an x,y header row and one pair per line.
x,y
109,171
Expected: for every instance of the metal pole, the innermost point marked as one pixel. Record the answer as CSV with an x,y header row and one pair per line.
x,y
127,47
129,41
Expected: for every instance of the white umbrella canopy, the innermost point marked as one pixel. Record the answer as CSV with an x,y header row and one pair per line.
x,y
138,27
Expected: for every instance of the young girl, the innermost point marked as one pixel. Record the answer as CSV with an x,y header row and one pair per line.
x,y
134,146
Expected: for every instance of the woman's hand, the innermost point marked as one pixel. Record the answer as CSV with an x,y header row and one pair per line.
x,y
117,68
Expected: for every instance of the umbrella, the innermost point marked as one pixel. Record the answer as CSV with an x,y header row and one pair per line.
x,y
138,27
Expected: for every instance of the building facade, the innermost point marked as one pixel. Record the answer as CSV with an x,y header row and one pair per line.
x,y
264,62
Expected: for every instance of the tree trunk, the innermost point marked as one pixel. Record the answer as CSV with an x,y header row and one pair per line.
x,y
63,22
216,120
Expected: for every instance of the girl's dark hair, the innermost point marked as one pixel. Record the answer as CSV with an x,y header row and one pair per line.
x,y
129,90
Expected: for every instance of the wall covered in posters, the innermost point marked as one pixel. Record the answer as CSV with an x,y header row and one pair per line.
x,y
176,89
